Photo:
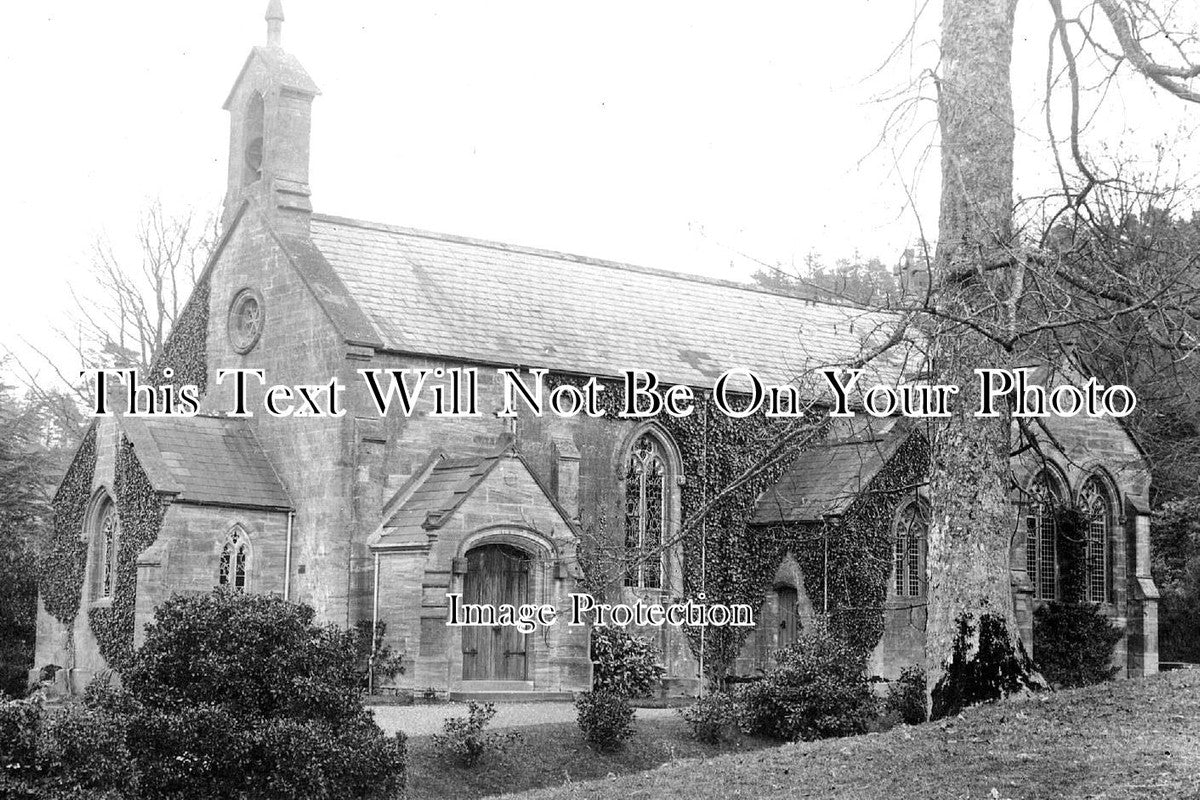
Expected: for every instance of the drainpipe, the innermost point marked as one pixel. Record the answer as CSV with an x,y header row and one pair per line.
x,y
374,626
831,522
703,539
287,559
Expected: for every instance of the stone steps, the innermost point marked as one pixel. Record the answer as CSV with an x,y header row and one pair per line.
x,y
465,695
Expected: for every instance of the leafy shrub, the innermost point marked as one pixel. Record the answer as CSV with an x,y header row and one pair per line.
x,y
625,664
20,727
906,696
817,688
352,760
252,654
464,740
1073,644
605,718
386,664
82,753
236,695
712,717
75,752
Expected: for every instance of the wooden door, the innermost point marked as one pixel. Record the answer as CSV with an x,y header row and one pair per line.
x,y
497,574
787,601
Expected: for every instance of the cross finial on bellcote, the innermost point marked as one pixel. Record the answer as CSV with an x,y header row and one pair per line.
x,y
274,19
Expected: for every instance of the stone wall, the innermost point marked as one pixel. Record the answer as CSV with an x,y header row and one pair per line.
x,y
312,455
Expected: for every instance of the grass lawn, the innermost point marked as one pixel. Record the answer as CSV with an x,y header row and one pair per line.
x,y
549,755
1124,739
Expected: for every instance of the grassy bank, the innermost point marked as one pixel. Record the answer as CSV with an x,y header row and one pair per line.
x,y
1124,739
549,755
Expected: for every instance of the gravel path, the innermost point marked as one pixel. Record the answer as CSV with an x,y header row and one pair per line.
x,y
422,720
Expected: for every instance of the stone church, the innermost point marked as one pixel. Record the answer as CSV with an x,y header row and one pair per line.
x,y
377,518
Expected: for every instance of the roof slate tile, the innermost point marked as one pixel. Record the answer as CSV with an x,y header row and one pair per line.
x,y
442,295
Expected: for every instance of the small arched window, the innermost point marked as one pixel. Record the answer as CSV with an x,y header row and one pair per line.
x,y
252,139
645,513
1096,505
107,546
235,560
908,553
1041,534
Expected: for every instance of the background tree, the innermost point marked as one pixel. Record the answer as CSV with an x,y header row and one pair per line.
x,y
121,318
122,314
132,301
1000,294
25,487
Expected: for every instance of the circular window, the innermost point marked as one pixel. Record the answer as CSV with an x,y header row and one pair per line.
x,y
246,316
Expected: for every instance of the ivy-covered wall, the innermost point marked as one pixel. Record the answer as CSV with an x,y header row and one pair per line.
x,y
724,558
140,511
186,349
64,554
860,548
846,564
740,559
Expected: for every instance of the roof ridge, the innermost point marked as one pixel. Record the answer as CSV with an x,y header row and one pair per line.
x,y
599,262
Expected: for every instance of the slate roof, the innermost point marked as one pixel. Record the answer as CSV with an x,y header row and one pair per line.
x,y
441,295
439,490
434,493
827,478
207,460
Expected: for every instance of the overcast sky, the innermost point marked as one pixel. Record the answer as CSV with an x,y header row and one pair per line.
x,y
684,135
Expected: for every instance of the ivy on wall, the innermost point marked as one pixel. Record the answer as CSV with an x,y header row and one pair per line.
x,y
738,561
186,349
63,561
850,559
140,511
861,549
846,564
64,554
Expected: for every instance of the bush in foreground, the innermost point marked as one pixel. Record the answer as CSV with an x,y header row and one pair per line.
x,y
906,696
75,752
817,688
624,664
237,695
231,696
605,718
1073,644
466,741
712,718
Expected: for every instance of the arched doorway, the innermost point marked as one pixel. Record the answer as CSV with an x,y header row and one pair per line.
x,y
787,601
497,574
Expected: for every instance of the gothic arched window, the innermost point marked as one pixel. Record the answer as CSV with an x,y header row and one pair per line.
x,y
1095,503
645,513
108,543
912,526
235,560
1041,533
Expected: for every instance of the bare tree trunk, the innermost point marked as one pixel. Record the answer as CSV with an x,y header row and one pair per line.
x,y
973,647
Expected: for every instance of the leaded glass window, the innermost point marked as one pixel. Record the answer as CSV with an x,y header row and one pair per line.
x,y
1041,534
1095,504
645,513
110,541
235,555
912,526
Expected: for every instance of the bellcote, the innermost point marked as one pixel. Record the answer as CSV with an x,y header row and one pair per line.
x,y
270,115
